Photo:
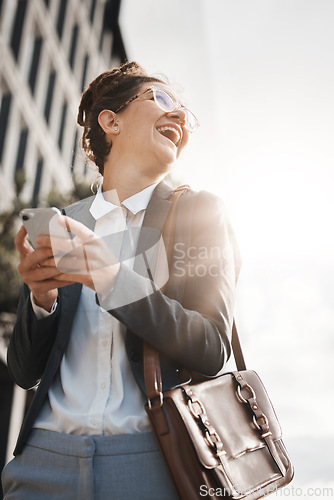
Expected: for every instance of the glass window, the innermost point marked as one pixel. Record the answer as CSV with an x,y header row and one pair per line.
x,y
92,10
74,151
73,47
37,184
62,125
35,63
49,95
84,72
4,114
61,17
17,29
21,151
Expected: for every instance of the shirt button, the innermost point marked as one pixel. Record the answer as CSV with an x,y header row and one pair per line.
x,y
94,421
103,385
105,343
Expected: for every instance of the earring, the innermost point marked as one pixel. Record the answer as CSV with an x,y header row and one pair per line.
x,y
116,129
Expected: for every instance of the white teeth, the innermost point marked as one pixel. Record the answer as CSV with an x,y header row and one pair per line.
x,y
172,129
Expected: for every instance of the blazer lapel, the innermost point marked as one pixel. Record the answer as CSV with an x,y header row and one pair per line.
x,y
80,212
154,219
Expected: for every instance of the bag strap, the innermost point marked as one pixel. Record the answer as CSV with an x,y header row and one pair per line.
x,y
152,370
237,350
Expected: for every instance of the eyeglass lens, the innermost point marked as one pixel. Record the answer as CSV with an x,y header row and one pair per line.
x,y
167,104
163,100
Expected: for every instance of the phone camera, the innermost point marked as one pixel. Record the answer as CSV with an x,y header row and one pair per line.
x,y
25,217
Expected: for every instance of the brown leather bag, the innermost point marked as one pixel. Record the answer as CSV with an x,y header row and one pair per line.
x,y
219,437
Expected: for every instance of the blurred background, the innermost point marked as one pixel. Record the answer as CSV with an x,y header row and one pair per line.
x,y
259,75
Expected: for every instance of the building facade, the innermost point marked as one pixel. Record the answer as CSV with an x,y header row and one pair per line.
x,y
49,51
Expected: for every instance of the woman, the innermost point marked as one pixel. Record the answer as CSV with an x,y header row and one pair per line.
x,y
83,317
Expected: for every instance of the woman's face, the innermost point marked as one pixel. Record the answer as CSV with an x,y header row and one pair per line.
x,y
150,134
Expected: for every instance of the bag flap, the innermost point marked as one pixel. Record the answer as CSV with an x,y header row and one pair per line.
x,y
232,419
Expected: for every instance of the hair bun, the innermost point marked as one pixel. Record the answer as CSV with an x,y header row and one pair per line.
x,y
108,91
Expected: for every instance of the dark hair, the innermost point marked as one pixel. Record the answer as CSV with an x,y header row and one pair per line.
x,y
109,90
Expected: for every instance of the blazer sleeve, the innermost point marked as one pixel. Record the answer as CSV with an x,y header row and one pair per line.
x,y
192,321
31,342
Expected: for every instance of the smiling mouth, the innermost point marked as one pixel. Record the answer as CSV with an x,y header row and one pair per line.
x,y
170,133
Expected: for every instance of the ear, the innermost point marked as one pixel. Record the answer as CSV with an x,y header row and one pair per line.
x,y
108,122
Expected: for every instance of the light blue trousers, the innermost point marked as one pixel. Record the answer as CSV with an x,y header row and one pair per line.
x,y
62,466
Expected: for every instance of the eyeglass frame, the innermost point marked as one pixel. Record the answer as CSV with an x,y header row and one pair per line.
x,y
153,88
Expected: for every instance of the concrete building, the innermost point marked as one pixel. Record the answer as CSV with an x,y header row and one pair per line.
x,y
49,51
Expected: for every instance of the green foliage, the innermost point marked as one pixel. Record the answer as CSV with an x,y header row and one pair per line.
x,y
10,280
80,191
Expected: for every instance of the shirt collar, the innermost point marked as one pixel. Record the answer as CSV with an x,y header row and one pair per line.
x,y
134,203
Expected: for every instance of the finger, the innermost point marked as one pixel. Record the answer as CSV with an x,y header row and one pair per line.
x,y
50,262
47,285
43,241
74,278
21,234
40,274
81,261
21,242
78,229
34,259
70,265
58,245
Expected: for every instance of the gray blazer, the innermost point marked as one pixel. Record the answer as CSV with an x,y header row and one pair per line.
x,y
190,323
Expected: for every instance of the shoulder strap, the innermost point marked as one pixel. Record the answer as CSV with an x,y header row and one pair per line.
x,y
152,370
237,350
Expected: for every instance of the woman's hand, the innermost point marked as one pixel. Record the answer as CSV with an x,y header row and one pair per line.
x,y
37,272
84,259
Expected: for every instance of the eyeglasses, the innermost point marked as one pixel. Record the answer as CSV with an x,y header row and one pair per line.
x,y
167,104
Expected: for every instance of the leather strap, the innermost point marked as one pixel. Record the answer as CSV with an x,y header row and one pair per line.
x,y
152,370
151,360
236,349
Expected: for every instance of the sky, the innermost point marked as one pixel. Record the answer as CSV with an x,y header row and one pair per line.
x,y
259,75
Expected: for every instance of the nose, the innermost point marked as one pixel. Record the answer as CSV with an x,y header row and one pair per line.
x,y
179,114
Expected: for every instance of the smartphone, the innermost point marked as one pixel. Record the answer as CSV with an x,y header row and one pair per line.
x,y
42,221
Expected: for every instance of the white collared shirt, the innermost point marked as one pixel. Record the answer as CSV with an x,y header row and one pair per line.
x,y
95,392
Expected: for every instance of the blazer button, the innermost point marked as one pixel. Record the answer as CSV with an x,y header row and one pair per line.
x,y
134,355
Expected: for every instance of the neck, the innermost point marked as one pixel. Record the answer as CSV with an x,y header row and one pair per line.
x,y
128,181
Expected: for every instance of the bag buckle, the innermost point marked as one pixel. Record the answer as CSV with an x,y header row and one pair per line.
x,y
149,402
192,402
240,396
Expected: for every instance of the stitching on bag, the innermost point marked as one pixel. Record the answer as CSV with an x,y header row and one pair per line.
x,y
276,441
238,455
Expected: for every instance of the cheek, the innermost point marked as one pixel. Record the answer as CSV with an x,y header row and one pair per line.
x,y
136,132
143,125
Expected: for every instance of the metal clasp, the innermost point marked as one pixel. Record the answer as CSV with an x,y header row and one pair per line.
x,y
149,403
255,422
240,396
196,415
